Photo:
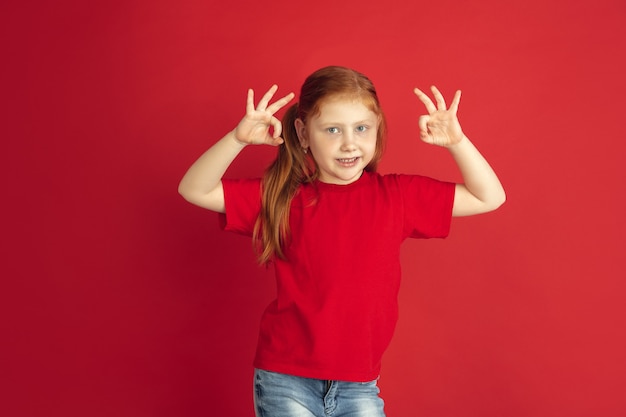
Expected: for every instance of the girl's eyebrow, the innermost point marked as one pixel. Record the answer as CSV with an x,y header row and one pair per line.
x,y
354,123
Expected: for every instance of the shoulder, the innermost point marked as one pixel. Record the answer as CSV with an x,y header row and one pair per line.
x,y
404,180
242,184
245,193
414,186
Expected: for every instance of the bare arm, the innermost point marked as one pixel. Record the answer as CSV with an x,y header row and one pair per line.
x,y
481,191
202,184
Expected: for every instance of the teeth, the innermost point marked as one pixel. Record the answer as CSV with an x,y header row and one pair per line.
x,y
347,160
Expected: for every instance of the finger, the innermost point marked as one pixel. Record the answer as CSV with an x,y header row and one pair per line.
x,y
441,103
250,101
430,106
278,127
277,141
266,98
454,106
423,125
274,107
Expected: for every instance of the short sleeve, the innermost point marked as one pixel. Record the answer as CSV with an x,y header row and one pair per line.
x,y
427,206
242,199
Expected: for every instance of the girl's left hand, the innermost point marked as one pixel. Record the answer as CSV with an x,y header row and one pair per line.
x,y
441,126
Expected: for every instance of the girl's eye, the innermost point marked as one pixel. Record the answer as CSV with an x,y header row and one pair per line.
x,y
333,130
361,128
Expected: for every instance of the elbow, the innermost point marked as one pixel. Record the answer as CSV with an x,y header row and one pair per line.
x,y
189,196
212,200
468,204
182,190
498,200
502,198
185,192
492,203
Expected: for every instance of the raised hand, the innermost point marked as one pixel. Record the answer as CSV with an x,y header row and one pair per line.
x,y
441,126
254,128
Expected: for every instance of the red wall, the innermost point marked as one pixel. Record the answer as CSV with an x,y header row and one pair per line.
x,y
117,298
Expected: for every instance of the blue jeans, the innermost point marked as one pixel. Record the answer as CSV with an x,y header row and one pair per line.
x,y
280,395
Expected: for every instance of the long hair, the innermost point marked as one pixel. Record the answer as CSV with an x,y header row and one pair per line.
x,y
293,167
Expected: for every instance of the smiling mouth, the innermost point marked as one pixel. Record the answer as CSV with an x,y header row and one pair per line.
x,y
348,161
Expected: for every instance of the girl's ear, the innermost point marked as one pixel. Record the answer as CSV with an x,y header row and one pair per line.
x,y
302,135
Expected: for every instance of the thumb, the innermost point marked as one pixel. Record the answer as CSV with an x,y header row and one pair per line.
x,y
423,126
275,141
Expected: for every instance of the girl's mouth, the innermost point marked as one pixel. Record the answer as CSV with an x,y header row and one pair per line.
x,y
348,161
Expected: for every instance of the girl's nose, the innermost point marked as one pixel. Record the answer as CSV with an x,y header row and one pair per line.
x,y
349,141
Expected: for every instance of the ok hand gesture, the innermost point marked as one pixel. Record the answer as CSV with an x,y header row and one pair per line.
x,y
441,126
254,128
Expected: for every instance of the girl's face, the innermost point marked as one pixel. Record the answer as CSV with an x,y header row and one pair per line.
x,y
341,139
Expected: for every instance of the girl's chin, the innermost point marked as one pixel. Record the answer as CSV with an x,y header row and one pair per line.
x,y
343,178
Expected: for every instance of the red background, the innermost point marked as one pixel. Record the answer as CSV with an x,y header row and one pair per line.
x,y
118,298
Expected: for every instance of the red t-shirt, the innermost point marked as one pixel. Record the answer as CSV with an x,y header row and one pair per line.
x,y
336,306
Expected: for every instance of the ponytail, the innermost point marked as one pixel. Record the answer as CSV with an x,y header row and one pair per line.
x,y
291,168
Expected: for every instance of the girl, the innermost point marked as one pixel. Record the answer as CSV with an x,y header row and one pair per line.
x,y
332,228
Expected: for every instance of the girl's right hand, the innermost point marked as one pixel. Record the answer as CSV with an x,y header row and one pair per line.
x,y
254,128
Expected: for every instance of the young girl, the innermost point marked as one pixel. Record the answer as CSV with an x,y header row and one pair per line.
x,y
332,228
